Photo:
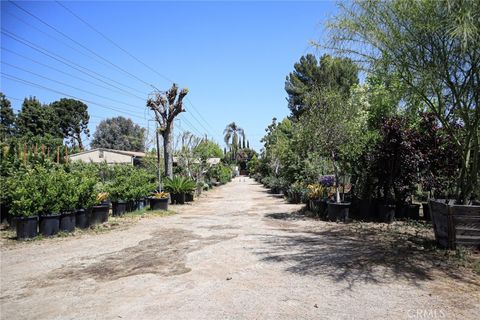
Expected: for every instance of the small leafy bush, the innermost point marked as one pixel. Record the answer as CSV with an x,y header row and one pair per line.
x,y
27,198
179,184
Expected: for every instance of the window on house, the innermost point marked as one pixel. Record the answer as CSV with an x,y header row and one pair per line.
x,y
100,154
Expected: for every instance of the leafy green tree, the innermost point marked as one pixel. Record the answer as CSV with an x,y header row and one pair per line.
x,y
119,133
310,75
35,119
208,149
232,133
278,151
331,127
72,117
7,118
432,46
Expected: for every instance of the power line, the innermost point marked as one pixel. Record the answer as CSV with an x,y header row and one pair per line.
x,y
65,73
112,42
52,55
20,80
136,59
68,62
89,114
67,85
81,45
53,37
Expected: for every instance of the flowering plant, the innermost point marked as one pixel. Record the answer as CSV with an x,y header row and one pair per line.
x,y
327,181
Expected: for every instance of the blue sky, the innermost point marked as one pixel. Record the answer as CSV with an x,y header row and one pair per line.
x,y
233,56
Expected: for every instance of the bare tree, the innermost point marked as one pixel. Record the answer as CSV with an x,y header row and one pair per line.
x,y
166,106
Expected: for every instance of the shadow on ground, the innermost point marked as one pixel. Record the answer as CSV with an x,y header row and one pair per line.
x,y
360,252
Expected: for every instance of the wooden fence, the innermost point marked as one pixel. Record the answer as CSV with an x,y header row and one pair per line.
x,y
455,224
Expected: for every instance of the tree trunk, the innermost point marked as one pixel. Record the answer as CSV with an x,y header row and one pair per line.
x,y
79,140
337,187
167,151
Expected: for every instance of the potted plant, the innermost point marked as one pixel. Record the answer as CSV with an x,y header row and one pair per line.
x,y
178,186
118,193
99,212
337,207
68,198
159,201
141,183
396,165
27,200
296,192
86,198
52,189
189,188
315,193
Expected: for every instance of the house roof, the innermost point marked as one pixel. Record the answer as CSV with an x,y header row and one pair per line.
x,y
212,161
128,153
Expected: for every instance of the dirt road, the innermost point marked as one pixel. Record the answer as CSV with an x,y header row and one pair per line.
x,y
234,254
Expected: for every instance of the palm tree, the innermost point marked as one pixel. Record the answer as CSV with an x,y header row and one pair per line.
x,y
231,134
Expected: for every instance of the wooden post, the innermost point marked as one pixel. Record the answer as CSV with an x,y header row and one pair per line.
x,y
43,149
36,149
58,154
66,156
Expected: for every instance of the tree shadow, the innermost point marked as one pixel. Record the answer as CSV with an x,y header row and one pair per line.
x,y
358,252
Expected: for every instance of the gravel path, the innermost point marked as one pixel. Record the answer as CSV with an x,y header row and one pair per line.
x,y
237,253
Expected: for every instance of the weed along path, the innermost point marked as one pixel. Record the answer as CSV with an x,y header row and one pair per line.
x,y
236,253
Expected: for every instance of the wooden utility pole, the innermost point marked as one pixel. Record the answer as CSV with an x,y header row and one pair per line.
x,y
166,106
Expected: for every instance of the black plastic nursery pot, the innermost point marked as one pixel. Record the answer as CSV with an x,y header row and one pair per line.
x,y
412,211
147,202
11,222
365,209
386,212
318,206
426,211
81,219
67,221
178,198
338,211
49,224
188,197
159,204
26,227
98,215
119,208
294,197
129,206
4,212
322,208
140,204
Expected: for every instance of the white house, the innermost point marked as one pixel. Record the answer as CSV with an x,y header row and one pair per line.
x,y
109,156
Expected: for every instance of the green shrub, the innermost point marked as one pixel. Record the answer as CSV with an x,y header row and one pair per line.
x,y
179,184
27,194
140,184
220,173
